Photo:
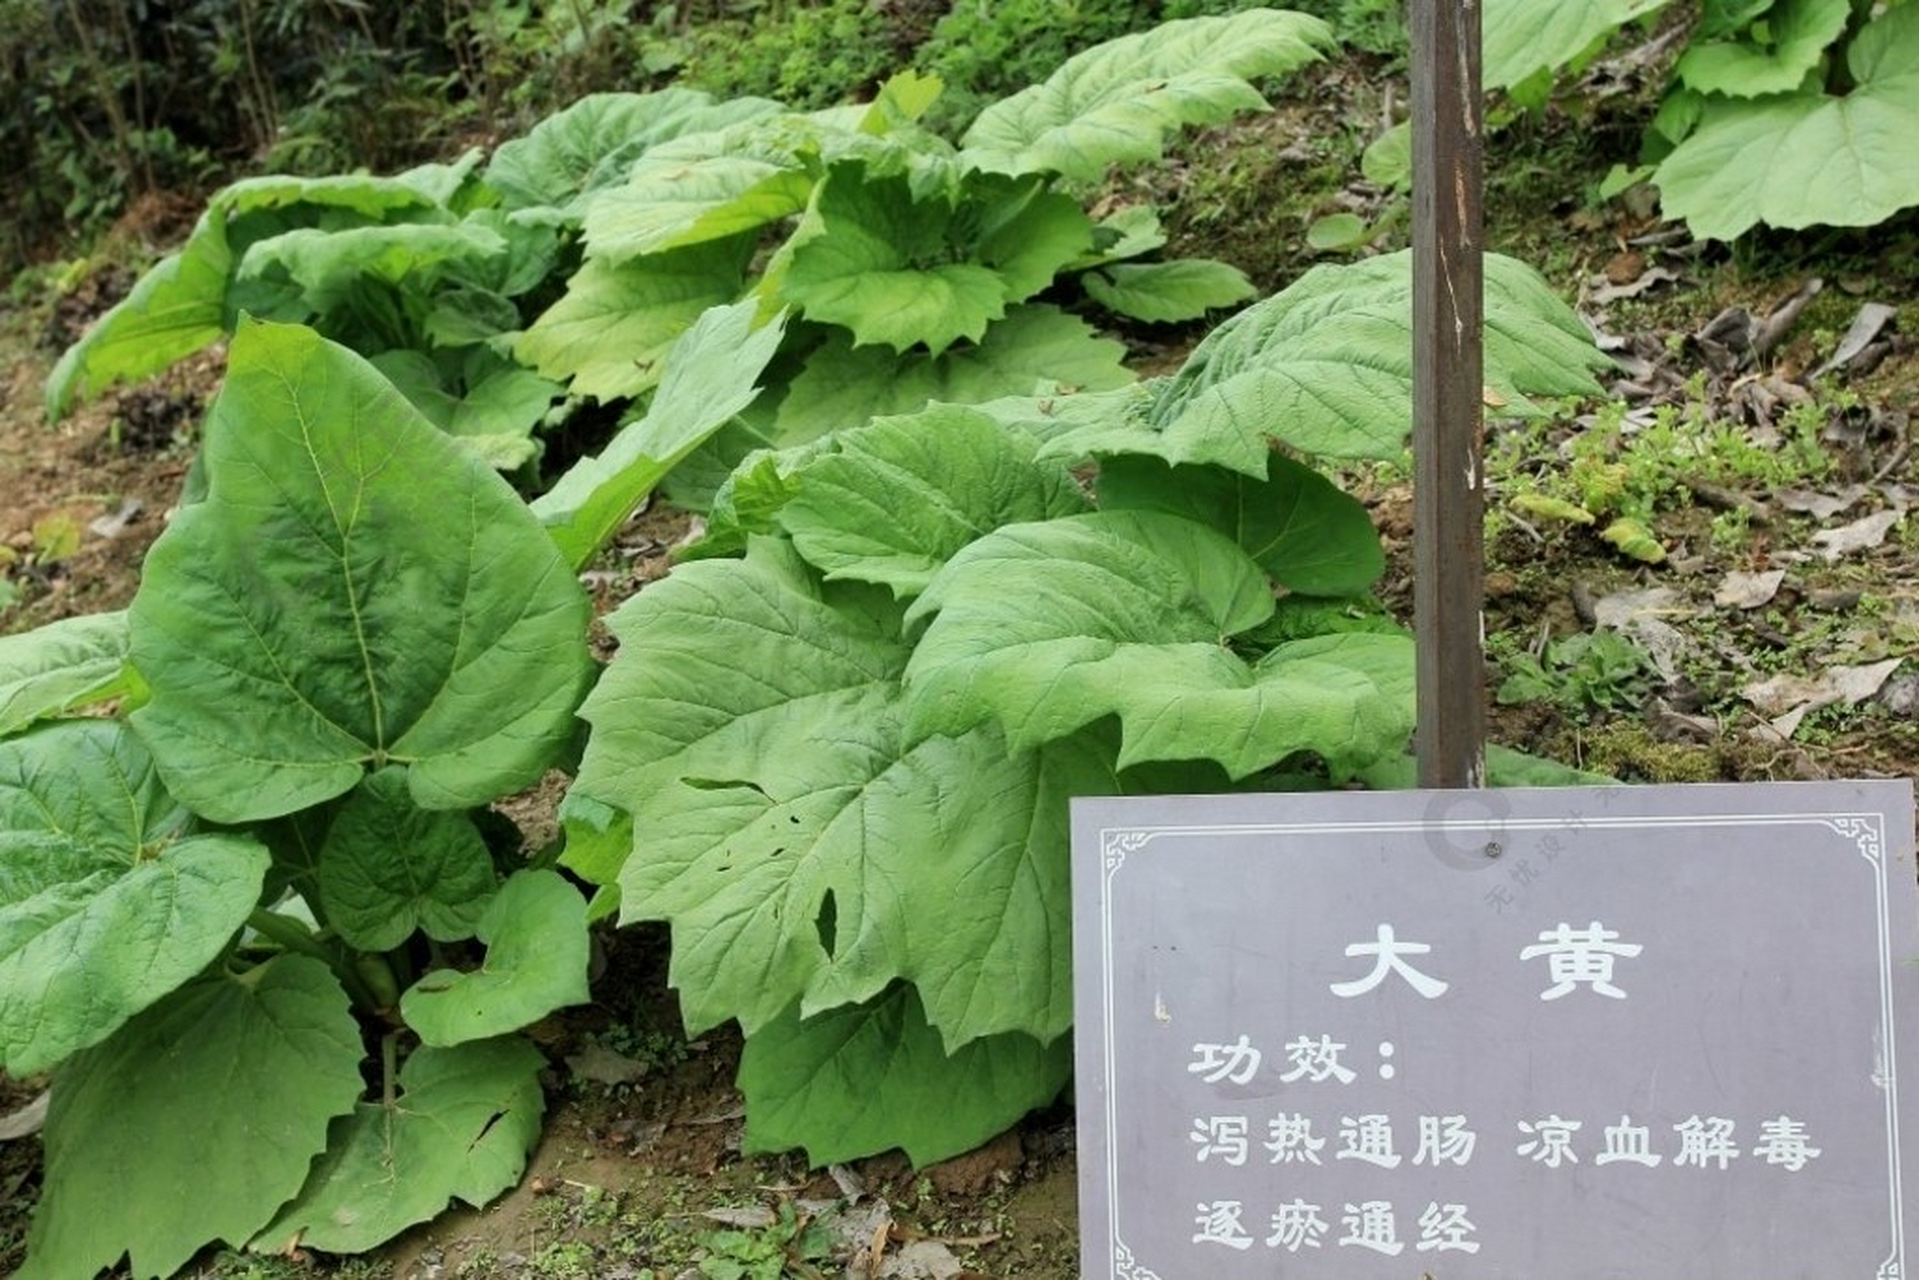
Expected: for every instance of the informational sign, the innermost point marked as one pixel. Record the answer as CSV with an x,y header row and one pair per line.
x,y
1591,1034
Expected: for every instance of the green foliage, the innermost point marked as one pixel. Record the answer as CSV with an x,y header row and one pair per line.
x,y
788,1247
1788,113
1590,672
858,827
811,55
61,667
353,640
835,753
570,265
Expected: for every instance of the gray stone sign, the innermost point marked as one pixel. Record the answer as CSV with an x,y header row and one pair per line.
x,y
1585,1034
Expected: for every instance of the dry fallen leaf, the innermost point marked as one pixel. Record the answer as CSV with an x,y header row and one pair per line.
x,y
1788,699
1748,590
601,1065
1860,535
1641,616
922,1260
1821,506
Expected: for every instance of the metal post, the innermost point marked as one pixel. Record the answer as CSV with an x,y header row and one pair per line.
x,y
1448,393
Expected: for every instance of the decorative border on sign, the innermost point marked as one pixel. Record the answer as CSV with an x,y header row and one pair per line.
x,y
1867,831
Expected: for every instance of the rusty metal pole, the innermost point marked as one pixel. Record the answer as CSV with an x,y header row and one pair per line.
x,y
1448,393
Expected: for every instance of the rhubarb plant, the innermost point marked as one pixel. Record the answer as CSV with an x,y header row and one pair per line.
x,y
838,759
215,906
913,267
1786,113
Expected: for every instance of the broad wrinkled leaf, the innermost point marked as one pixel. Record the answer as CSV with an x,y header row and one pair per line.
x,y
536,954
389,867
354,591
1346,698
593,143
104,906
883,265
1297,525
176,308
1045,628
711,374
1027,233
61,666
892,502
1806,159
1116,102
862,1079
615,324
460,1126
326,264
1125,233
185,303
1167,292
230,1085
1523,38
1326,367
670,202
805,847
845,386
1035,620
1799,32
361,195
495,418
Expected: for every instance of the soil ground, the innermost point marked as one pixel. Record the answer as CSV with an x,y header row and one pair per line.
x,y
1767,462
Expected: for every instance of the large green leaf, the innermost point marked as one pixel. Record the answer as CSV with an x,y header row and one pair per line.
x,y
326,264
1026,233
459,1126
669,203
892,502
1164,292
536,954
595,142
174,310
1806,159
806,848
1046,628
610,332
1034,618
1326,367
1297,525
883,265
389,867
229,1085
355,591
1523,38
104,906
495,417
862,1079
184,303
1115,103
60,666
363,196
844,386
1799,32
712,373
